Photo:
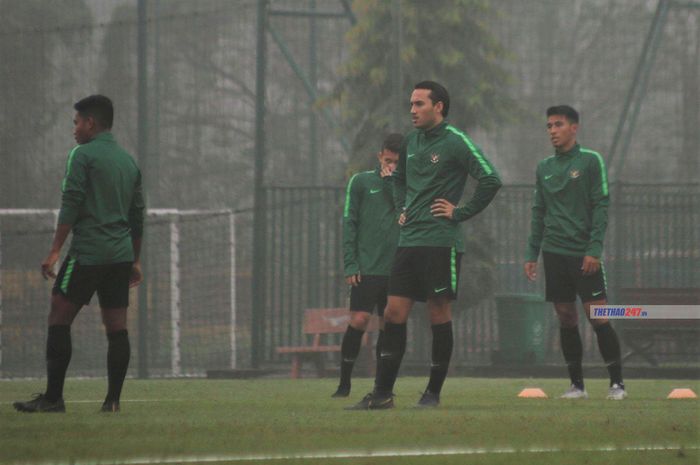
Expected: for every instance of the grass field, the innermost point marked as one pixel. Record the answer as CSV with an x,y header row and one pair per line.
x,y
296,422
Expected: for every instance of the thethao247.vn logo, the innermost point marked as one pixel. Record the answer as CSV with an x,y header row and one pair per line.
x,y
619,312
651,312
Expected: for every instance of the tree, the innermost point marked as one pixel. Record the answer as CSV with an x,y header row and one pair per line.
x,y
40,46
199,78
444,40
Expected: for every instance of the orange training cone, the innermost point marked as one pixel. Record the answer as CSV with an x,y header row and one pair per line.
x,y
533,393
682,394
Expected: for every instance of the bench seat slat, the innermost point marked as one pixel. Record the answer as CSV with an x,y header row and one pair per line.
x,y
319,323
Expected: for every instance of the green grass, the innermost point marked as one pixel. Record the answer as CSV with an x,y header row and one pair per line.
x,y
293,417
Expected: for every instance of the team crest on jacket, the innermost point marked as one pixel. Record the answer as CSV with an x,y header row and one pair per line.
x,y
573,174
434,157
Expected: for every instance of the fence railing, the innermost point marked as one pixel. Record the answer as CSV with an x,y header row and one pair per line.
x,y
195,320
652,241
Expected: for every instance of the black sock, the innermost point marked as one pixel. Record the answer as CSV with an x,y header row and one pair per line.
x,y
58,353
573,354
610,350
393,348
378,349
118,354
442,352
349,350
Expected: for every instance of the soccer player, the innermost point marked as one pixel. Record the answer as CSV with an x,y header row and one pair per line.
x,y
428,184
370,236
103,206
569,218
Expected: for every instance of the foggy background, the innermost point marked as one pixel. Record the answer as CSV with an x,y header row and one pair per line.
x,y
334,85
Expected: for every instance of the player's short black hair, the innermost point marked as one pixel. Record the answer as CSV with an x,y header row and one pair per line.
x,y
566,111
438,93
98,107
393,143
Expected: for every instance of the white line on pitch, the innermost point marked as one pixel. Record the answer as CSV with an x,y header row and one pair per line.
x,y
358,455
123,401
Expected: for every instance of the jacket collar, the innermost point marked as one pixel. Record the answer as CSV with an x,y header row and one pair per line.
x,y
570,153
104,136
435,131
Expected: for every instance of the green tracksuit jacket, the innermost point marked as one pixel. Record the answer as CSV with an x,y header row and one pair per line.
x,y
435,164
370,225
103,201
570,210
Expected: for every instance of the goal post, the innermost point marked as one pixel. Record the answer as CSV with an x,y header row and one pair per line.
x,y
191,303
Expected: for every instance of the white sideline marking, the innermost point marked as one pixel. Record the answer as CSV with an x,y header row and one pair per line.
x,y
357,455
123,401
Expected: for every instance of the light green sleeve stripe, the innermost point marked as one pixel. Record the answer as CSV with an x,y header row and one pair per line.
x,y
346,212
603,172
485,166
68,164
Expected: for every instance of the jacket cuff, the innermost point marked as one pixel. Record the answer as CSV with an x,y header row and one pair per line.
x,y
532,255
594,250
461,214
136,232
67,216
351,270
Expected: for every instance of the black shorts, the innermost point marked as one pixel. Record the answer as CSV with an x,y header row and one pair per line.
x,y
424,272
564,280
79,282
368,294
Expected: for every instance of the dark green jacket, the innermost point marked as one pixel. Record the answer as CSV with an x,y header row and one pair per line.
x,y
370,225
435,164
103,202
570,210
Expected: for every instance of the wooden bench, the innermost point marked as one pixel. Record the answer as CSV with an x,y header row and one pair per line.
x,y
650,338
319,322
